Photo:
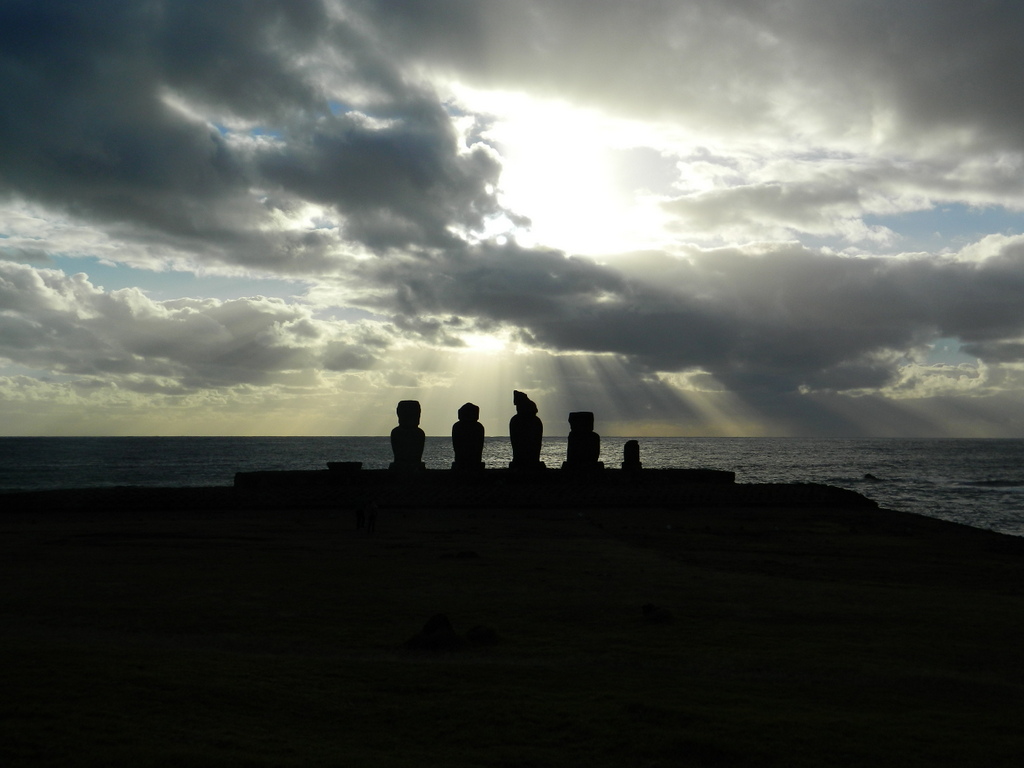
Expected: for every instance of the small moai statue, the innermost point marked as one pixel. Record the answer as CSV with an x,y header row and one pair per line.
x,y
526,431
468,439
407,438
584,444
631,456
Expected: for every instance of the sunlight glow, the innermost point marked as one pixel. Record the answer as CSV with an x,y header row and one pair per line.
x,y
482,342
558,172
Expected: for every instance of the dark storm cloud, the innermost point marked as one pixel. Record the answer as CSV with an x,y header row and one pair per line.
x,y
891,70
936,64
504,283
242,55
778,320
84,125
399,185
771,322
99,119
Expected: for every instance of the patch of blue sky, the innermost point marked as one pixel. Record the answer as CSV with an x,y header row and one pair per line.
x,y
949,226
8,368
262,131
346,314
946,351
161,286
455,110
341,108
258,130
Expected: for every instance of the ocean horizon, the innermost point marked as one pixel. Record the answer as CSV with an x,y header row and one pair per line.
x,y
975,481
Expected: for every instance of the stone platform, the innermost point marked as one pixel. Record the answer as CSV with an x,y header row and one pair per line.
x,y
503,488
669,489
349,475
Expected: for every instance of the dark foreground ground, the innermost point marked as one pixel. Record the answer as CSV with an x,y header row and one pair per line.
x,y
184,633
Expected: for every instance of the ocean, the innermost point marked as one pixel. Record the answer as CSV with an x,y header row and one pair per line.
x,y
972,481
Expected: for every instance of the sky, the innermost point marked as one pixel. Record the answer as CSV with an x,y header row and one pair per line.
x,y
691,217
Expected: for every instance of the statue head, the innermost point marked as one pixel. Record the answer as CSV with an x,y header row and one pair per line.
x,y
523,403
469,412
581,421
409,413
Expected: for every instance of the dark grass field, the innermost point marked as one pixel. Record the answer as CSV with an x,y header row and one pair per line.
x,y
783,637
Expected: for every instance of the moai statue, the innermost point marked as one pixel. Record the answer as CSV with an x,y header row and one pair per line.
x,y
407,438
468,439
631,456
584,444
525,430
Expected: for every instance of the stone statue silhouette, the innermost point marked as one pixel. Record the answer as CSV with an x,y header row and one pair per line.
x,y
525,430
584,444
468,439
631,455
407,438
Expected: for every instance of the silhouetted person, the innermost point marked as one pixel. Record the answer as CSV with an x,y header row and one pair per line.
x,y
366,516
468,439
525,430
407,438
584,444
371,517
631,455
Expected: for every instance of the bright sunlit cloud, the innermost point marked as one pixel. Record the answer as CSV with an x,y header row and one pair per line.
x,y
482,342
559,170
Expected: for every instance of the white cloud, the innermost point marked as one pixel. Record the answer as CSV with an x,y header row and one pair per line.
x,y
51,321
